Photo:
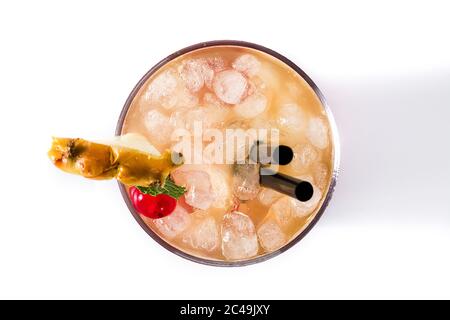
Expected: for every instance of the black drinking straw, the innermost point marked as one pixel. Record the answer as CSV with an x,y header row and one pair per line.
x,y
293,187
281,155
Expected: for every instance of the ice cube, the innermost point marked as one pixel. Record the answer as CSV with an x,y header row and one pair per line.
x,y
268,196
247,64
220,186
246,181
210,117
282,210
211,100
291,119
320,174
271,236
162,86
216,63
263,123
317,133
214,153
239,240
195,73
286,208
252,106
173,224
230,86
182,202
304,155
167,90
178,119
204,235
238,140
158,127
268,80
203,117
199,191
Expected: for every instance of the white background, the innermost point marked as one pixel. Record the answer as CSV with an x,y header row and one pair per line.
x,y
67,67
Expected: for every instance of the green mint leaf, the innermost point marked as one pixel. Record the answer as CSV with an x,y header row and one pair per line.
x,y
169,188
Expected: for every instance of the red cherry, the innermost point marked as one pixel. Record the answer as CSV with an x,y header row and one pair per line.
x,y
143,203
132,191
153,207
165,205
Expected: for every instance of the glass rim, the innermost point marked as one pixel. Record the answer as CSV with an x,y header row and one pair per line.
x,y
334,138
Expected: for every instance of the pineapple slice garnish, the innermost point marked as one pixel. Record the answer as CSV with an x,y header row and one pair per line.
x,y
130,159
